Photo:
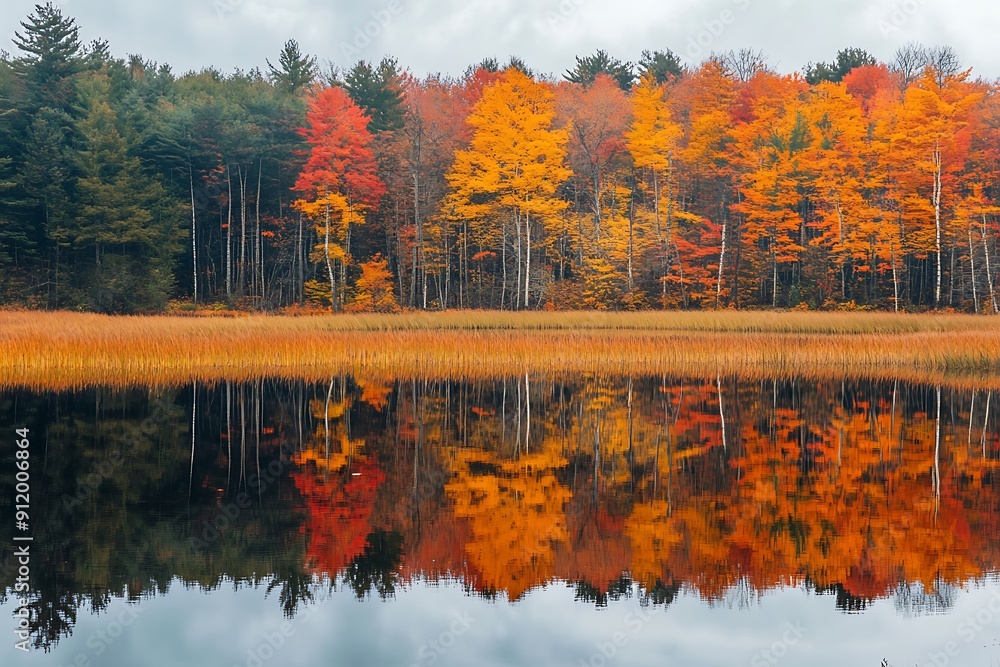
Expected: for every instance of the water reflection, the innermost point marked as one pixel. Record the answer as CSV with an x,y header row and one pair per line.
x,y
616,487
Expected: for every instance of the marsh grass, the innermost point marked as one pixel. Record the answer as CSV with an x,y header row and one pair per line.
x,y
69,350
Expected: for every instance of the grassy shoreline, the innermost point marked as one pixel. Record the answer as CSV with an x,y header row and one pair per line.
x,y
43,350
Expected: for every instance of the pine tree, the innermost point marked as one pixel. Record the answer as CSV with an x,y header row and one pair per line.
x,y
378,92
663,66
295,70
847,61
126,229
53,54
588,67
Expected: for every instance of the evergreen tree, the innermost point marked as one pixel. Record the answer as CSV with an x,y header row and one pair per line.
x,y
126,228
378,92
41,196
847,60
588,67
18,241
46,175
52,55
490,64
295,70
662,65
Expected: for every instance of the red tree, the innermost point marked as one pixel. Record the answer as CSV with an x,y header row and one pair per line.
x,y
339,180
340,158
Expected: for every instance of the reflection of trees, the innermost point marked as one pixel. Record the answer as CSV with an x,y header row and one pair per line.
x,y
377,567
856,490
515,512
111,515
831,486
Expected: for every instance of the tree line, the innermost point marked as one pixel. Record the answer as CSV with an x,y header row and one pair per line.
x,y
622,186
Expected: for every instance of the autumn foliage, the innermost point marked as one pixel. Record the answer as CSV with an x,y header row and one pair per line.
x,y
707,485
705,190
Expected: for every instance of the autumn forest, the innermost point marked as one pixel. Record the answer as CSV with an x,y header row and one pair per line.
x,y
854,184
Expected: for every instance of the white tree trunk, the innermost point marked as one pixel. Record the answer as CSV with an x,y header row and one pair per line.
x,y
722,414
989,270
194,235
972,266
937,220
895,278
527,263
329,264
229,236
722,263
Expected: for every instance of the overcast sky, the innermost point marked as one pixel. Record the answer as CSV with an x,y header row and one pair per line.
x,y
447,35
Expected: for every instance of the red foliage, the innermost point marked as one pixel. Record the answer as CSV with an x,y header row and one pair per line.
x,y
341,158
340,509
866,82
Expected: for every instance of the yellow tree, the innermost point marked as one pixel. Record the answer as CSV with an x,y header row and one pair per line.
x,y
374,289
771,151
652,142
846,225
708,96
883,117
512,168
972,214
927,151
516,515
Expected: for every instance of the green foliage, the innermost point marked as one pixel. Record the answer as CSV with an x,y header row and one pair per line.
x,y
588,67
493,65
295,70
663,65
847,60
124,219
378,92
52,52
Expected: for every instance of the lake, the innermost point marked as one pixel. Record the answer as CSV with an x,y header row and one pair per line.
x,y
539,520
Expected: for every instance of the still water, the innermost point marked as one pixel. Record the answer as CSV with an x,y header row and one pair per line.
x,y
534,521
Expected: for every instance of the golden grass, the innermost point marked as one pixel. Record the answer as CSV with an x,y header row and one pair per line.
x,y
68,350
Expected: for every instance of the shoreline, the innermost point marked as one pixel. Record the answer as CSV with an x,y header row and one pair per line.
x,y
56,351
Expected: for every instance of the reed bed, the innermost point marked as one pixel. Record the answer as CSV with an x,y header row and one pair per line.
x,y
55,351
